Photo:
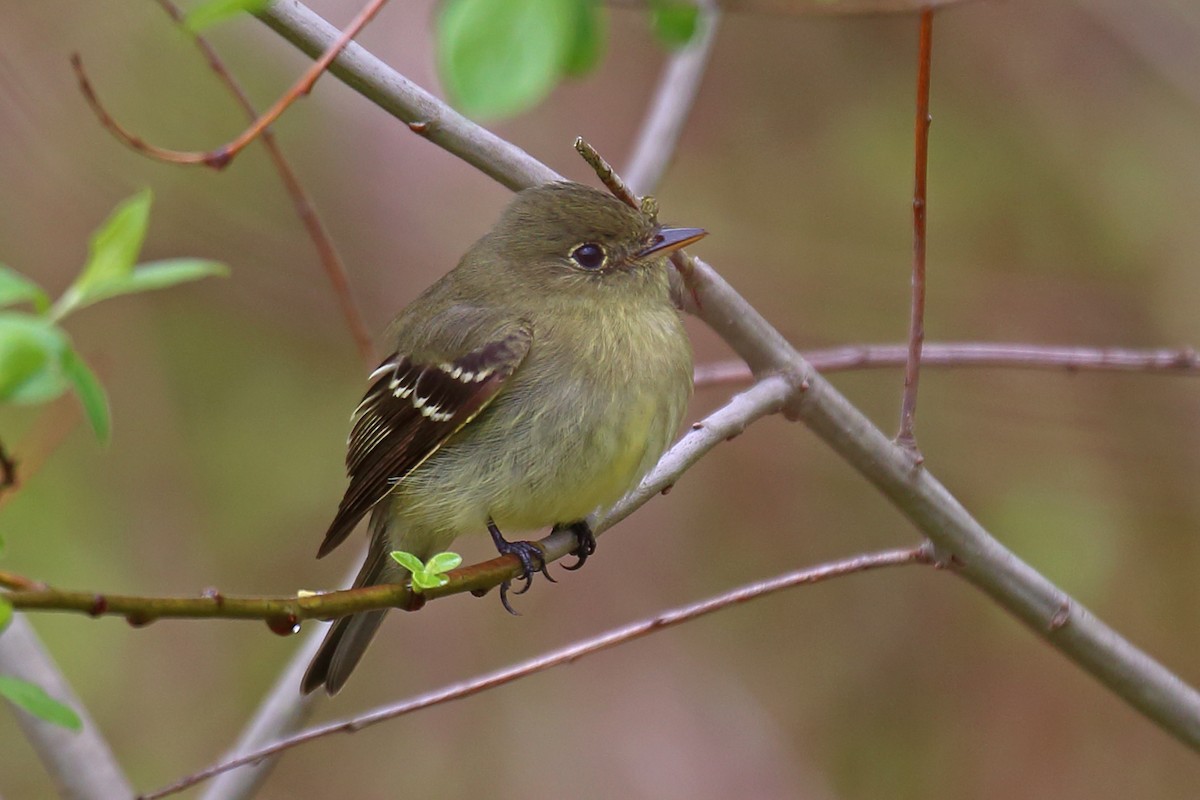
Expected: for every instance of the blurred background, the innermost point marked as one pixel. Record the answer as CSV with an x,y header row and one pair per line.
x,y
1063,205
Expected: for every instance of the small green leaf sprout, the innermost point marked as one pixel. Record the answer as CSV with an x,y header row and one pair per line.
x,y
428,575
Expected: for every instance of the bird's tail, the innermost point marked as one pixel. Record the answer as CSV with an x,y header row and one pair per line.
x,y
349,637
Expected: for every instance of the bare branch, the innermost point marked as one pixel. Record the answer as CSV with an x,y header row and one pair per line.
x,y
282,711
331,262
221,156
80,762
567,655
916,324
1184,361
673,99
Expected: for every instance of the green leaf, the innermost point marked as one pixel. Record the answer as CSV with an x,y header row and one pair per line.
x,y
500,57
16,288
6,613
31,350
586,45
408,561
112,253
214,11
90,392
427,576
674,21
34,699
443,562
158,275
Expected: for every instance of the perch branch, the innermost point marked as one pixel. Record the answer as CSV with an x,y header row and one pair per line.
x,y
283,614
566,655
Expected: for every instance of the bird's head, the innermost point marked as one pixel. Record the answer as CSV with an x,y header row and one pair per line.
x,y
575,237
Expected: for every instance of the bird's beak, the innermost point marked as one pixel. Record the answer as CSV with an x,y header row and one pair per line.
x,y
667,240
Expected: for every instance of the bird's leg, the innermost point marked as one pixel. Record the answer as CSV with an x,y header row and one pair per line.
x,y
529,554
585,538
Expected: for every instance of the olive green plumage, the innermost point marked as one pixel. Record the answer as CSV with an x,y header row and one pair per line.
x,y
536,382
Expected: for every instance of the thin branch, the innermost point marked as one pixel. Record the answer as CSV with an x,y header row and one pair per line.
x,y
282,711
331,262
607,175
916,325
284,613
673,100
221,156
570,654
1182,361
80,762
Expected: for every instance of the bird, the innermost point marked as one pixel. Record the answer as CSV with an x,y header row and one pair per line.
x,y
535,383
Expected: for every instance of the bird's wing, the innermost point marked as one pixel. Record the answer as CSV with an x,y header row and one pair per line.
x,y
411,409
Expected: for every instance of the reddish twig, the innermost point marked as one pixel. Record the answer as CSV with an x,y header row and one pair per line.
x,y
221,156
335,270
566,655
916,329
1183,361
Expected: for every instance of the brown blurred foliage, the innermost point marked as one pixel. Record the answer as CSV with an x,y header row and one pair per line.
x,y
1064,194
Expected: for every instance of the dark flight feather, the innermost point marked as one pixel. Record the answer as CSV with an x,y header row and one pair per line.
x,y
409,412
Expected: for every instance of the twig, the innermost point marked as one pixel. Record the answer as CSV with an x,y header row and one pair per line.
x,y
607,175
221,156
80,762
916,326
283,614
569,654
1183,361
282,711
331,262
1126,671
673,100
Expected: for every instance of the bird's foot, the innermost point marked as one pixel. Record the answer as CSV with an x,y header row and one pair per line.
x,y
532,560
585,538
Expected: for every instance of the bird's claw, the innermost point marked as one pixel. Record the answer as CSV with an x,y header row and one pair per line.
x,y
586,543
532,560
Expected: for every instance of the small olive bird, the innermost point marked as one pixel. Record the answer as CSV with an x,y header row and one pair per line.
x,y
536,382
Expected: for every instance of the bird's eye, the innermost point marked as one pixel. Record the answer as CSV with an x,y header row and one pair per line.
x,y
589,255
